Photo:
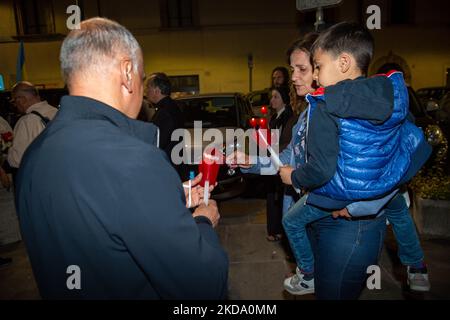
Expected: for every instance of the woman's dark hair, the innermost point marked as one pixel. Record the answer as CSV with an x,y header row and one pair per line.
x,y
304,44
284,93
285,73
348,37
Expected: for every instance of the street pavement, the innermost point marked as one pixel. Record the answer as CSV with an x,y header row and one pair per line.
x,y
258,267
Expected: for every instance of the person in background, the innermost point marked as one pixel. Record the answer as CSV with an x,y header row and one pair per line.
x,y
147,111
36,115
168,116
280,77
4,126
111,206
4,179
282,120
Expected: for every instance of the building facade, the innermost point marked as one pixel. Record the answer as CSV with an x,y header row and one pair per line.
x,y
206,45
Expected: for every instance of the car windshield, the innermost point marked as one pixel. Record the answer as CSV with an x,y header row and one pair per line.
x,y
214,112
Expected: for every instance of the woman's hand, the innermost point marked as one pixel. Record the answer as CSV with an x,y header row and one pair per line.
x,y
341,213
238,159
197,191
285,174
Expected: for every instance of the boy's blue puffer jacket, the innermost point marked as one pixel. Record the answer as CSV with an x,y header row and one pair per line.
x,y
373,158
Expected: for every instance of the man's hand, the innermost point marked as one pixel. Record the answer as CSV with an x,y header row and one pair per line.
x,y
197,191
285,174
238,159
341,213
211,212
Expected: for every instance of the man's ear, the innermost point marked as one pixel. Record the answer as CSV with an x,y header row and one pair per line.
x,y
345,62
126,69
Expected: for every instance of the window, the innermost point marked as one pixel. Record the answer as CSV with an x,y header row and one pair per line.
x,y
34,17
178,13
185,84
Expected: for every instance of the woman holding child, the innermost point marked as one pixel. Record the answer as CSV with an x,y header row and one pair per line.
x,y
343,249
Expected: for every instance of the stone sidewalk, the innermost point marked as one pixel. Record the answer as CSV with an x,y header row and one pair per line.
x,y
258,267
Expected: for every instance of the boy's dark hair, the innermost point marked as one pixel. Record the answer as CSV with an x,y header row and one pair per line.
x,y
162,81
347,37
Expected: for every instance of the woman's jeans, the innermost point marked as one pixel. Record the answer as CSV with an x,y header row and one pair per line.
x,y
343,250
409,249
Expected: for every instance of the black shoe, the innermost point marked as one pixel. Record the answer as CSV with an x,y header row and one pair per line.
x,y
5,262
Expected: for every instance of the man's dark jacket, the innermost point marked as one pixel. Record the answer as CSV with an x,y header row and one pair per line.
x,y
93,191
168,118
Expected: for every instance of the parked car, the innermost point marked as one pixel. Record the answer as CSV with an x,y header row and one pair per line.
x,y
258,99
434,132
443,115
435,93
220,111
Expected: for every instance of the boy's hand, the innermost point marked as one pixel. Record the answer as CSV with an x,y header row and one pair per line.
x,y
341,213
285,174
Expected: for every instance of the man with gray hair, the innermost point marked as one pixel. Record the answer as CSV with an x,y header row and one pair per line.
x,y
168,116
108,218
36,115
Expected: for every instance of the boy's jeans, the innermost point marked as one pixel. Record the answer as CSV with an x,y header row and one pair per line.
x,y
288,202
294,223
396,211
409,249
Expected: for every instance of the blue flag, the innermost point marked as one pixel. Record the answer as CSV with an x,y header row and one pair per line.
x,y
2,84
20,62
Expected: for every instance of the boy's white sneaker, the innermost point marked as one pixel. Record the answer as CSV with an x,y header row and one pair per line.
x,y
418,279
297,285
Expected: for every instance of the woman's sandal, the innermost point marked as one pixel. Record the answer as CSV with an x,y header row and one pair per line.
x,y
274,238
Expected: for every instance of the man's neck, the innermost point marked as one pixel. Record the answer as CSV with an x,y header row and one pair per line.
x,y
102,94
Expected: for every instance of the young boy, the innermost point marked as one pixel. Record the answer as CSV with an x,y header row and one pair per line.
x,y
360,149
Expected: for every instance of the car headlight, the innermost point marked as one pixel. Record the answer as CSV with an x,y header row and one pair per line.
x,y
434,135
